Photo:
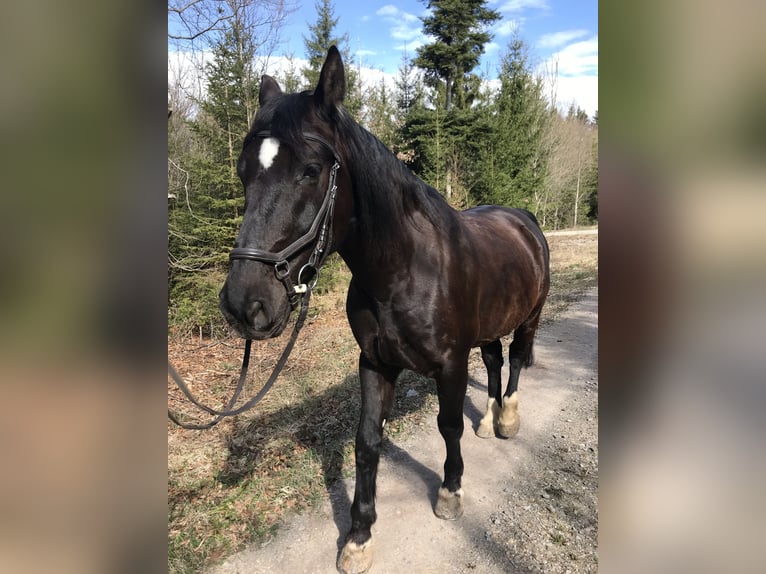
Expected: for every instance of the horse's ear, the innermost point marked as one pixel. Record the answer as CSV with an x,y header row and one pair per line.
x,y
331,88
269,89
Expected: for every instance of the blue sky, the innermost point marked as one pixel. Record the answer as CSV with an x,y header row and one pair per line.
x,y
565,31
562,35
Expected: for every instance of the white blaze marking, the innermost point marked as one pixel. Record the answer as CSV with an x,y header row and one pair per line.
x,y
269,150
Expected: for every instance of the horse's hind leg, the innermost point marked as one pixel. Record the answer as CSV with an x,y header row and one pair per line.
x,y
520,352
492,355
377,398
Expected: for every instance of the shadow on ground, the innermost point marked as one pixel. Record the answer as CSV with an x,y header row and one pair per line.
x,y
325,424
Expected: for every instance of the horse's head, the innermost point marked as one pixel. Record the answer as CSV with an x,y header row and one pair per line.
x,y
293,217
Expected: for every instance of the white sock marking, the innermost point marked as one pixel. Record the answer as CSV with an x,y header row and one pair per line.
x,y
269,150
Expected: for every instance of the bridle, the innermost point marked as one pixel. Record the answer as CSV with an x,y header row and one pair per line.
x,y
308,275
318,232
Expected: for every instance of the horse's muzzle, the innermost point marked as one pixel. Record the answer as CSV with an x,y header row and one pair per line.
x,y
254,318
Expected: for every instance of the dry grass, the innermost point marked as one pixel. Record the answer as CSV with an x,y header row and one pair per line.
x,y
574,270
232,485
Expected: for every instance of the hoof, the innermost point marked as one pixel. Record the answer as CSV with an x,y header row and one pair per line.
x,y
355,558
509,430
485,430
488,423
449,505
509,422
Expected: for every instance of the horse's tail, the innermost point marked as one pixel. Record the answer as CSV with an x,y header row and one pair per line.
x,y
533,219
530,215
531,323
529,356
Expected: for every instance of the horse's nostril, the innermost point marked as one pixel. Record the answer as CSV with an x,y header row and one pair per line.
x,y
256,316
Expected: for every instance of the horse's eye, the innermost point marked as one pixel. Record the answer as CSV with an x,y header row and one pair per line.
x,y
312,171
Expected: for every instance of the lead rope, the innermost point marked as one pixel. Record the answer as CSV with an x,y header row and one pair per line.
x,y
229,411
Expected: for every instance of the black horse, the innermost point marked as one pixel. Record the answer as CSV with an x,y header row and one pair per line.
x,y
429,283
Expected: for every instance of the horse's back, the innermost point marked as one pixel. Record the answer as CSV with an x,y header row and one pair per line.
x,y
497,229
511,273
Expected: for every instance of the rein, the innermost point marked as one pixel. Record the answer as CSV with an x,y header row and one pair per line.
x,y
301,293
229,411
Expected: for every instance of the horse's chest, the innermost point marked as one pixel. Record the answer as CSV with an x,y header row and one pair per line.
x,y
399,332
410,342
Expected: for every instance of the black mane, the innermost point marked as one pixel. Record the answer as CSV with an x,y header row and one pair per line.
x,y
386,192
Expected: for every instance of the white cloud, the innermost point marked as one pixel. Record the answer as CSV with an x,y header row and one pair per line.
x,y
574,69
491,48
371,78
388,10
404,27
582,90
185,73
279,65
557,39
580,58
507,27
519,5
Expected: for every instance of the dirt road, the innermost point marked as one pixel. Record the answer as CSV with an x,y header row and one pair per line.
x,y
572,232
530,502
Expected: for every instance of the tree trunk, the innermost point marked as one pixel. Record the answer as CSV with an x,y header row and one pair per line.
x,y
230,142
577,190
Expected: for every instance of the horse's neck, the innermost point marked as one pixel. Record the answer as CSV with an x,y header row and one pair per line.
x,y
378,264
371,242
394,210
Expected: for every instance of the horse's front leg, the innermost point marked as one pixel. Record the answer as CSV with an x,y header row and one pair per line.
x,y
377,398
451,385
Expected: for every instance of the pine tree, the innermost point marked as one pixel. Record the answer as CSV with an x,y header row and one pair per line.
x,y
380,114
443,134
459,29
203,224
319,41
591,178
409,89
591,185
514,163
410,98
575,112
290,79
322,36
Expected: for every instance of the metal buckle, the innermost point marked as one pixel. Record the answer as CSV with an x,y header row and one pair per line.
x,y
282,269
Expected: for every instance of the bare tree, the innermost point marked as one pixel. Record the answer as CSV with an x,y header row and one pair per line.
x,y
190,20
571,140
194,26
194,22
